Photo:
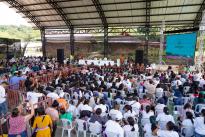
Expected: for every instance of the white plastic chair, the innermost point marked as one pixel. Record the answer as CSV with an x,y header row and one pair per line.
x,y
66,126
132,134
187,131
80,127
95,129
111,134
199,107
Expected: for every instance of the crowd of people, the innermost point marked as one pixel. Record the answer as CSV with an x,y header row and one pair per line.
x,y
121,101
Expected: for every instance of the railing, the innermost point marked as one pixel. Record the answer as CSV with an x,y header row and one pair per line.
x,y
16,93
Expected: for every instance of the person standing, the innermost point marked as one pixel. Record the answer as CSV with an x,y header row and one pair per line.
x,y
3,102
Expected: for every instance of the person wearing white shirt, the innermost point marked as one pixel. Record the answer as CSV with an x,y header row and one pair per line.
x,y
53,95
160,106
188,123
128,112
115,111
148,127
169,132
86,106
147,113
33,97
164,118
3,103
102,106
114,126
199,125
79,106
131,126
135,105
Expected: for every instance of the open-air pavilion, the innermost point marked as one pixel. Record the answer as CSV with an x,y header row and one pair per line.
x,y
108,16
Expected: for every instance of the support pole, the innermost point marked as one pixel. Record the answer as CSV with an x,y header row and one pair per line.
x,y
106,47
43,40
72,41
161,49
147,31
199,61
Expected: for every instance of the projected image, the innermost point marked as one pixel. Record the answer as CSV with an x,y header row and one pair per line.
x,y
181,45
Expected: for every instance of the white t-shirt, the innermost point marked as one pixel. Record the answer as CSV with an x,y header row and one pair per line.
x,y
102,107
53,95
159,108
129,114
114,127
33,97
114,112
165,118
147,115
148,130
2,94
128,128
135,106
166,133
187,123
86,107
199,125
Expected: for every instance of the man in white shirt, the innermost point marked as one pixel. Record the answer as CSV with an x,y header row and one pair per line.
x,y
114,126
115,111
53,95
3,103
33,97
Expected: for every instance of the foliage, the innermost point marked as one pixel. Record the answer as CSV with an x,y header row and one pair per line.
x,y
19,32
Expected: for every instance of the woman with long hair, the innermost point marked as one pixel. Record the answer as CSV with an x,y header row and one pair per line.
x,y
17,122
128,112
42,124
131,125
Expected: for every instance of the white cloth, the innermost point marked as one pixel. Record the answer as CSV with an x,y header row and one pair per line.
x,y
2,94
128,128
187,123
129,114
199,125
165,118
86,107
147,115
166,133
33,97
114,127
148,130
159,108
53,95
102,107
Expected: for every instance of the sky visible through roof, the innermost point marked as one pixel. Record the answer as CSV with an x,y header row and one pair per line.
x,y
9,16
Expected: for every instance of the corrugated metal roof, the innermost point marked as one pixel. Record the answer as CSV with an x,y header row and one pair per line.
x,y
84,13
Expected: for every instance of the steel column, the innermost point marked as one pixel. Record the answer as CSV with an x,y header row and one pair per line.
x,y
106,46
72,41
161,42
147,31
43,40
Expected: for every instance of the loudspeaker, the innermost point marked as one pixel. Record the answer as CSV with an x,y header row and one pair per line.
x,y
60,55
139,56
